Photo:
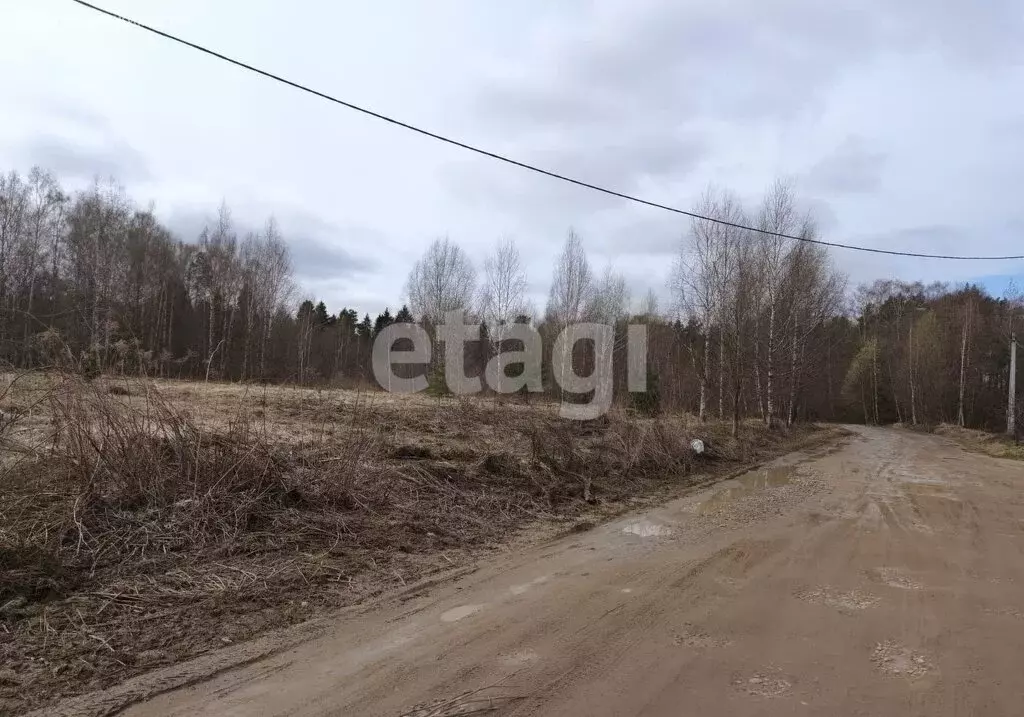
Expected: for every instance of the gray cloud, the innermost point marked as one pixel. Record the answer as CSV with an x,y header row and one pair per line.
x,y
653,235
670,61
623,162
931,239
852,168
784,80
324,256
72,160
319,248
71,113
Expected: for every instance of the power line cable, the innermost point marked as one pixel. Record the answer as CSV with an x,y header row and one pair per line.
x,y
524,165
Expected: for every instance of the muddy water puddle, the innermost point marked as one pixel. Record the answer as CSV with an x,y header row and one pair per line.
x,y
747,484
647,529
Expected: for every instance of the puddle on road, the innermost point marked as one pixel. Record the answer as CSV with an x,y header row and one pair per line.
x,y
517,659
525,587
647,529
457,613
748,484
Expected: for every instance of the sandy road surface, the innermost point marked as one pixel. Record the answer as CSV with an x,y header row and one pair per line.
x,y
881,577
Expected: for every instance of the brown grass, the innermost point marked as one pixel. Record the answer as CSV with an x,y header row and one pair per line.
x,y
1000,446
149,524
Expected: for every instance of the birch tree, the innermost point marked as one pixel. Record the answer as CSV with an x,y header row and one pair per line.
x,y
572,291
777,216
442,280
502,293
696,281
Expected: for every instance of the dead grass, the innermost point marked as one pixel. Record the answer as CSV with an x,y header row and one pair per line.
x,y
1000,446
149,524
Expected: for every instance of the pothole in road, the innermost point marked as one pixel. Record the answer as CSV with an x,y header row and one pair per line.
x,y
894,578
647,529
762,685
850,600
519,658
690,636
457,613
748,484
525,587
898,660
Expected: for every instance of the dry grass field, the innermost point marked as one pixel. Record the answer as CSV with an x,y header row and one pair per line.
x,y
145,522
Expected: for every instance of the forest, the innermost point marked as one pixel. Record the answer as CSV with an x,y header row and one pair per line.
x,y
757,326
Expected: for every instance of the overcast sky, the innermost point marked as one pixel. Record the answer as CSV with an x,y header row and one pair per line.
x,y
900,123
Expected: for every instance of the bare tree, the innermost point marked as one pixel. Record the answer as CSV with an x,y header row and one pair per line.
x,y
726,207
97,235
43,229
274,282
572,286
741,301
777,216
695,281
649,305
609,300
220,247
503,292
442,280
964,336
13,209
815,293
572,290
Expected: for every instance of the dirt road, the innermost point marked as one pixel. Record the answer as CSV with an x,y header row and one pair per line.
x,y
883,576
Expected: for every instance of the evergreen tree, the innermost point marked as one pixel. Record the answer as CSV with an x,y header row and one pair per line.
x,y
320,314
305,310
348,319
404,316
383,321
364,328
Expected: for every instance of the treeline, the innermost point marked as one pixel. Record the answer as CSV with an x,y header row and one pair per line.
x,y
929,354
103,279
757,326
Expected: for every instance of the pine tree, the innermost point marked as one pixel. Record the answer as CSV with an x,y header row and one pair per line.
x,y
348,319
383,321
320,314
404,316
305,309
365,327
